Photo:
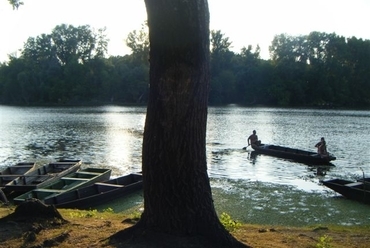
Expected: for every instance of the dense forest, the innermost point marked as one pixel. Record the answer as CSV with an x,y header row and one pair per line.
x,y
70,66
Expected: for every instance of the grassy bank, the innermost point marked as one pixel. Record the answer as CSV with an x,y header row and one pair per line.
x,y
92,228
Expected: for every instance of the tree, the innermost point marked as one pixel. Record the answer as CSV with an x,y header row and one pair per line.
x,y
74,44
222,75
177,194
138,42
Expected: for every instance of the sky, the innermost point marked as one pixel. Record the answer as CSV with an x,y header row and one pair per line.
x,y
244,22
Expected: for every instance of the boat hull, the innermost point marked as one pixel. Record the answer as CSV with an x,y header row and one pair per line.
x,y
358,191
98,193
298,155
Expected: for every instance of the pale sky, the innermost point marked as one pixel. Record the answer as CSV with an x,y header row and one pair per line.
x,y
245,22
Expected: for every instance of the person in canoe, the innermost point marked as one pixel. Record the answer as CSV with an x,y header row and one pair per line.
x,y
253,139
321,147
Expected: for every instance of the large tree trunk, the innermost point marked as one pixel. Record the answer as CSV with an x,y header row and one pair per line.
x,y
177,193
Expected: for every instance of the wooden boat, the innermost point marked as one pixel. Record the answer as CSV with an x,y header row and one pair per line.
x,y
72,181
12,172
42,176
354,190
294,154
98,193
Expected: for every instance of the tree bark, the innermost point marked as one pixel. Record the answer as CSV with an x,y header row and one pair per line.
x,y
177,193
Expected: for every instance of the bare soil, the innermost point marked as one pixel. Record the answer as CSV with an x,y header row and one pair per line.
x,y
75,228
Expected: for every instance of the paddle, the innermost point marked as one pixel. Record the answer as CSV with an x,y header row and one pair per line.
x,y
245,147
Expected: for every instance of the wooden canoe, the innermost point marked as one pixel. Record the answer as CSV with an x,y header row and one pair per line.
x,y
42,176
354,190
12,172
98,193
294,154
72,181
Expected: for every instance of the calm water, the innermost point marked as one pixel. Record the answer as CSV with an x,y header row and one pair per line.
x,y
257,189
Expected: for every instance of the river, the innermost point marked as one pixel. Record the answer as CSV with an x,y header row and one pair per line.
x,y
261,189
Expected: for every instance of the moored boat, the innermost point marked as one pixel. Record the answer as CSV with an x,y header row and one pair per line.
x,y
42,175
354,190
75,180
294,154
98,193
12,172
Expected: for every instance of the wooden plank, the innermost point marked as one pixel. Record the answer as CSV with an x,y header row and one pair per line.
x,y
110,185
354,184
75,178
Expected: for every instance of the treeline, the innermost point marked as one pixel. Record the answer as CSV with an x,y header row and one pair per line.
x,y
318,69
69,66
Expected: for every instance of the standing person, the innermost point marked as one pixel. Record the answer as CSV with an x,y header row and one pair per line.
x,y
321,147
253,139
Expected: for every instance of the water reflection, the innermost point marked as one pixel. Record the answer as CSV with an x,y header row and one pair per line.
x,y
252,156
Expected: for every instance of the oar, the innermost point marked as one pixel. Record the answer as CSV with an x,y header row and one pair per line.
x,y
245,147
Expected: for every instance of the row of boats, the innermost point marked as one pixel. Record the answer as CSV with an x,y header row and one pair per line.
x,y
358,190
65,184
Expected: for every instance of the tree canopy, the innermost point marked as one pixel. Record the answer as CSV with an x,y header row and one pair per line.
x,y
69,66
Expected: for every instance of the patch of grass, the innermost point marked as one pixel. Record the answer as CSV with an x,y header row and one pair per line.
x,y
108,210
135,215
84,214
324,242
228,222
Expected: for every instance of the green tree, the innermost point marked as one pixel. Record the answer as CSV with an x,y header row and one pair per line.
x,y
223,82
251,78
101,46
128,80
77,43
11,87
40,56
358,63
138,42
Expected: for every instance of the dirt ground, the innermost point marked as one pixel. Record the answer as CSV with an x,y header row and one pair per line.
x,y
91,229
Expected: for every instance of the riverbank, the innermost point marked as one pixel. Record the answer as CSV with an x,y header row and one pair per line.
x,y
92,228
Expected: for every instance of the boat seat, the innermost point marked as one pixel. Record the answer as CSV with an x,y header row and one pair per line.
x,y
87,173
49,190
75,178
110,185
353,184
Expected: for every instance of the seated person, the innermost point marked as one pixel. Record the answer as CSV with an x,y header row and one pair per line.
x,y
321,147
